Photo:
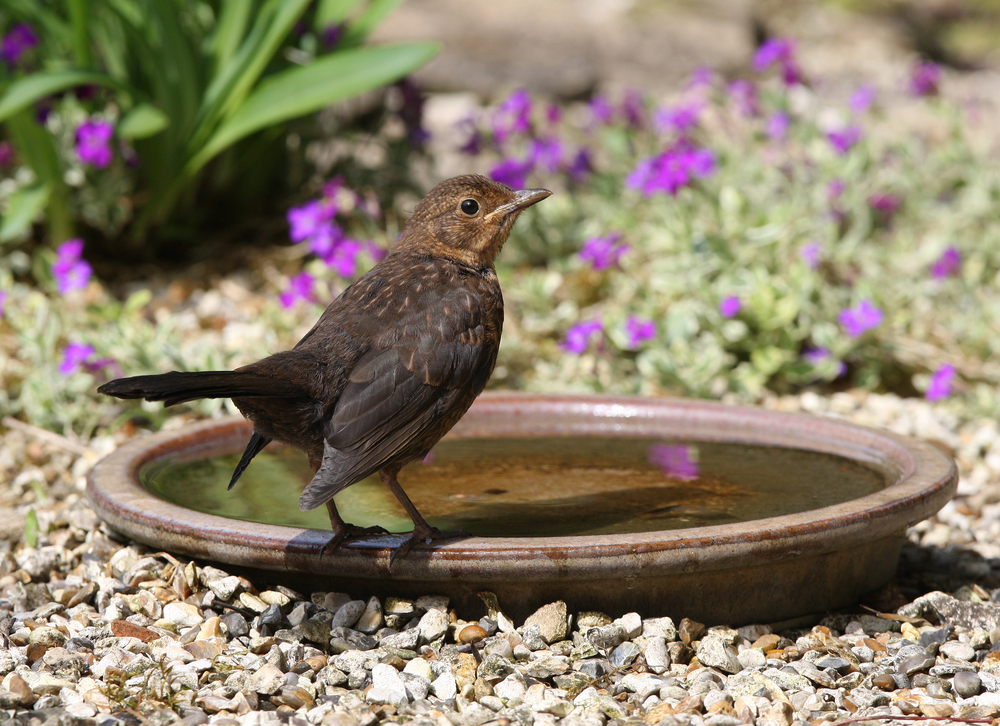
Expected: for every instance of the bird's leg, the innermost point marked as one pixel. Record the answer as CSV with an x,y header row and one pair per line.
x,y
422,532
341,529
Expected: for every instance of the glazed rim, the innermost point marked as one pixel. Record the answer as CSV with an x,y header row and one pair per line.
x,y
920,480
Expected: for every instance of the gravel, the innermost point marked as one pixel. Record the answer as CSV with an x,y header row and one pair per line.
x,y
96,630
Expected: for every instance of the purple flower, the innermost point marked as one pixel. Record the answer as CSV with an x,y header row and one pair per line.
x,y
743,94
512,172
343,257
843,139
578,337
861,318
862,99
546,153
701,77
948,264
811,254
638,330
780,51
75,355
671,170
331,35
777,126
819,356
581,167
603,252
3,300
835,188
300,287
70,270
92,143
677,461
679,119
553,114
325,238
601,109
924,79
940,383
20,39
730,306
885,205
513,116
634,109
309,220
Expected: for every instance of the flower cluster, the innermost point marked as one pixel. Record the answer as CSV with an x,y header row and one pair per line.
x,y
603,252
671,170
93,143
14,44
314,224
780,52
70,270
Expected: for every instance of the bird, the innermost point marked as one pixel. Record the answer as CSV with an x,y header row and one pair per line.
x,y
391,365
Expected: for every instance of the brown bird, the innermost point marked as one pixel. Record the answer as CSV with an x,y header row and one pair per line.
x,y
393,363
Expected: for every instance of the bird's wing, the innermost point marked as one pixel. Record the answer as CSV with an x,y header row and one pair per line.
x,y
404,383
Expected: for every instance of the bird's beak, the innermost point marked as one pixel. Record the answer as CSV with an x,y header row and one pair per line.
x,y
522,199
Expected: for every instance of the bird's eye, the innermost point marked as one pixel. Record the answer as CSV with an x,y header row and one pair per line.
x,y
470,206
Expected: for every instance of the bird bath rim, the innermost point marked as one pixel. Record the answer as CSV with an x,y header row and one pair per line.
x,y
861,536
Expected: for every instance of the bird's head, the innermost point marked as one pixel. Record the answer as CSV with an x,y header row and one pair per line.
x,y
467,219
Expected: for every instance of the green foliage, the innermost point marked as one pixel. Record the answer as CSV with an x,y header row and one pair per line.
x,y
199,92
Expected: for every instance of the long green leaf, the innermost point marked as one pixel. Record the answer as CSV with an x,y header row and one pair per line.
x,y
23,208
30,89
36,146
229,30
299,91
78,13
231,87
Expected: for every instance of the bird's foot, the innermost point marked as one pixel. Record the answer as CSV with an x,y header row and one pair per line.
x,y
349,531
425,534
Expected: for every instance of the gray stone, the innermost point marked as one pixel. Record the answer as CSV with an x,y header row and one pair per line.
x,y
268,680
407,640
631,623
957,650
946,609
548,666
444,686
417,686
841,665
659,627
751,658
967,684
606,637
371,619
915,663
551,621
656,654
715,652
348,614
433,624
387,680
624,654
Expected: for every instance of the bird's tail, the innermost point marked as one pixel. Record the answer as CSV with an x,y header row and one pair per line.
x,y
178,387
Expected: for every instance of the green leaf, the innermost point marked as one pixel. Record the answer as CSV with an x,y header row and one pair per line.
x,y
30,89
23,208
142,121
31,528
299,91
230,29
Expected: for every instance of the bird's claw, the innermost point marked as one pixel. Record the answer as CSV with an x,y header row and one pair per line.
x,y
426,535
350,531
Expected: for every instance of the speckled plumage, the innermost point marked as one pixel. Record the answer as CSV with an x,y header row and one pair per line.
x,y
391,365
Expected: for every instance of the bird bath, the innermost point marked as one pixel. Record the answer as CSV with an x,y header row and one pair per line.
x,y
789,514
